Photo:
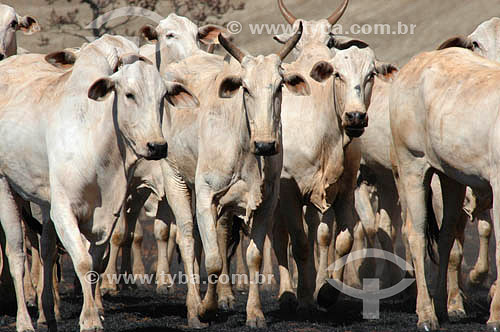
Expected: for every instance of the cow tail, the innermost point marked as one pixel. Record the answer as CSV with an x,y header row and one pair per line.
x,y
431,229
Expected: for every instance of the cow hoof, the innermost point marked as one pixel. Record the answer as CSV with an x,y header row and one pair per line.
x,y
109,291
195,323
258,323
456,315
494,327
206,315
327,296
226,304
288,303
428,327
165,290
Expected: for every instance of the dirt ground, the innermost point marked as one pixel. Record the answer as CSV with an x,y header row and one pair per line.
x,y
142,309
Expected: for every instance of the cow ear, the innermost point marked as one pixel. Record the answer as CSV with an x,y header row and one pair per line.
x,y
230,86
209,34
386,71
321,71
28,24
101,89
148,32
63,59
179,96
297,85
130,58
457,41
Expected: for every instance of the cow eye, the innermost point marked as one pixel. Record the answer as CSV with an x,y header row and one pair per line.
x,y
13,24
130,96
372,76
475,45
337,76
169,35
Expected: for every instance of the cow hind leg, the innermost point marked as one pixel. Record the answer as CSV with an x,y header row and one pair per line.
x,y
494,319
163,276
480,271
241,283
109,278
11,223
416,191
453,195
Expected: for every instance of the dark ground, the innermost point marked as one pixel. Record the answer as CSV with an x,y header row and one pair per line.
x,y
143,310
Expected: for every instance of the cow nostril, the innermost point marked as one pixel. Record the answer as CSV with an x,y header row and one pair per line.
x,y
362,116
350,116
2,56
265,148
157,150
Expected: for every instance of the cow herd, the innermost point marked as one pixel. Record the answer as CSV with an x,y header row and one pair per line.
x,y
332,151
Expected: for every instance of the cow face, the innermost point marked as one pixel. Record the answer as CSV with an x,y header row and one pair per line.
x,y
353,71
485,39
139,98
262,79
10,23
177,37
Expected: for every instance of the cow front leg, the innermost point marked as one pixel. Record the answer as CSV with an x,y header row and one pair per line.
x,y
10,220
179,200
164,279
67,229
205,215
255,316
224,291
109,282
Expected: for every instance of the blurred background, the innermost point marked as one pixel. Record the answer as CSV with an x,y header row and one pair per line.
x,y
62,21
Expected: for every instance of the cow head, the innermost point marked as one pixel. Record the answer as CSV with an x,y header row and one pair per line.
x,y
139,94
485,40
10,23
261,79
177,37
353,69
317,31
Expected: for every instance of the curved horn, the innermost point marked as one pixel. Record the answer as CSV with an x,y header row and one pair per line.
x,y
337,14
290,44
286,13
231,48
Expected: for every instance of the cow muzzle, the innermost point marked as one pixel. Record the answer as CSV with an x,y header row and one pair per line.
x,y
265,148
355,123
157,150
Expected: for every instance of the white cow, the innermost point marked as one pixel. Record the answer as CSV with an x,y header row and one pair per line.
x,y
81,132
10,23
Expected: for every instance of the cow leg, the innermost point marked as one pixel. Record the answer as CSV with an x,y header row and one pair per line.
x,y
205,215
267,265
494,319
162,231
456,309
69,233
291,210
255,316
179,200
416,192
109,280
137,261
287,299
241,269
453,195
480,271
389,220
29,288
224,291
10,220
